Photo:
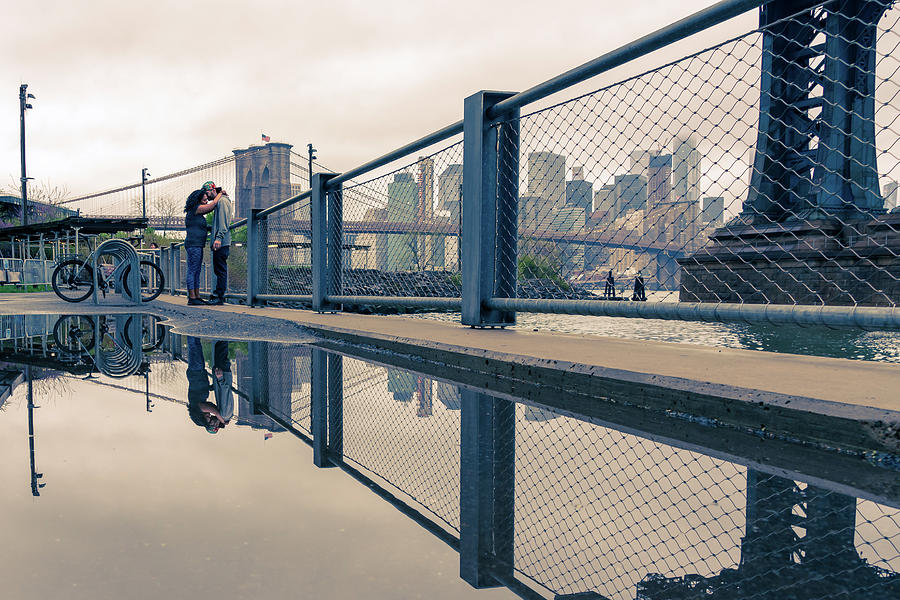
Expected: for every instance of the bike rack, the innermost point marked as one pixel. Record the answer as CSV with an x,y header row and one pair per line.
x,y
121,251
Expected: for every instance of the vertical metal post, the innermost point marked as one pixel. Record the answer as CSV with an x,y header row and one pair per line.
x,y
257,247
23,106
173,271
489,216
335,245
323,236
144,176
259,367
487,476
319,406
335,405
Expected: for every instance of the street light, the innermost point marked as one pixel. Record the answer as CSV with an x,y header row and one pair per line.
x,y
24,105
145,177
312,156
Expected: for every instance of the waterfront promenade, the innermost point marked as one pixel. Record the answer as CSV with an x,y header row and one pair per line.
x,y
838,403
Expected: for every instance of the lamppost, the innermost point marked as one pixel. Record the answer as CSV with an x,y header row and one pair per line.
x,y
312,155
24,96
145,177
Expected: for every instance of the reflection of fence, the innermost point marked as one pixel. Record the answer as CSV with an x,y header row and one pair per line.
x,y
551,501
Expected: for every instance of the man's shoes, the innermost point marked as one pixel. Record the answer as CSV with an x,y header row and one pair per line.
x,y
216,301
197,302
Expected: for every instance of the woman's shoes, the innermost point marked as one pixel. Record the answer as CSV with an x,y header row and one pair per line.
x,y
197,302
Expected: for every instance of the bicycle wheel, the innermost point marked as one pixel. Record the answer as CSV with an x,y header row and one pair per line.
x,y
152,280
152,332
74,333
73,280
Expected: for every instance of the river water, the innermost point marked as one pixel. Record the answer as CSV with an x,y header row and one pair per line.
x,y
818,341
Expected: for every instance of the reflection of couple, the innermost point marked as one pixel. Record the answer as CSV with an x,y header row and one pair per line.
x,y
210,416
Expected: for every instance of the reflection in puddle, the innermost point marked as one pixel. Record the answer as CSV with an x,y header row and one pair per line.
x,y
543,501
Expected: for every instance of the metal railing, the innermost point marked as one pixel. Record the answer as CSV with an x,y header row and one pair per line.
x,y
751,181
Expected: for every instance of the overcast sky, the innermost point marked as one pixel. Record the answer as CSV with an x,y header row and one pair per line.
x,y
169,85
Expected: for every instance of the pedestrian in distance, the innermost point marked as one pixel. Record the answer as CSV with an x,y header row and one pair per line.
x,y
610,290
199,203
640,294
221,245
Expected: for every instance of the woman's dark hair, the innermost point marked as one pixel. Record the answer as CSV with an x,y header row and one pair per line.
x,y
193,201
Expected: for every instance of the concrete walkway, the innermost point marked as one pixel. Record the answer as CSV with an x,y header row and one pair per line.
x,y
843,381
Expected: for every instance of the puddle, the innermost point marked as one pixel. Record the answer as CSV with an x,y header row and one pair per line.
x,y
145,464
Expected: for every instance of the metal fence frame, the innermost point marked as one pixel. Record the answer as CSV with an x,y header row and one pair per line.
x,y
488,279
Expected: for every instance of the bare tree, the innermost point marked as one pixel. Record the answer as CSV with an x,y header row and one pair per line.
x,y
44,200
168,208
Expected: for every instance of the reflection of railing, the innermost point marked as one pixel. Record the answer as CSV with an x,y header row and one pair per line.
x,y
548,499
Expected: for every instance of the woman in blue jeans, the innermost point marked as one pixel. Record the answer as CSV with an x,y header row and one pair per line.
x,y
199,203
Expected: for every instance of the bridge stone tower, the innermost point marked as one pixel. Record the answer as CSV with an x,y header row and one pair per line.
x,y
262,176
814,193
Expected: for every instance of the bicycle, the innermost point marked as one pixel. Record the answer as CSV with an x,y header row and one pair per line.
x,y
73,279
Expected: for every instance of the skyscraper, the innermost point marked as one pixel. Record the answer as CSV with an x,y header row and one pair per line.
x,y
547,178
397,252
713,211
450,200
450,191
890,195
630,193
579,191
425,207
686,175
659,179
605,199
686,170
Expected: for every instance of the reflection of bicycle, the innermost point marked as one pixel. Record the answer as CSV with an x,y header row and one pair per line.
x,y
74,334
73,279
123,340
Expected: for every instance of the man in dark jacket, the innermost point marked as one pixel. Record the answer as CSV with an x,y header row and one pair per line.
x,y
221,246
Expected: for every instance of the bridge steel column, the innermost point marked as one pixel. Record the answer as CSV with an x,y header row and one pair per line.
x,y
326,213
490,209
319,406
487,490
792,178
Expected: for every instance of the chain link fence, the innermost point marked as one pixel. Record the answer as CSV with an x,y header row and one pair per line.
x,y
401,229
404,428
761,170
602,511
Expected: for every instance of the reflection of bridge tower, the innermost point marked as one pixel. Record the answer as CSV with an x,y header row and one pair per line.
x,y
814,186
778,562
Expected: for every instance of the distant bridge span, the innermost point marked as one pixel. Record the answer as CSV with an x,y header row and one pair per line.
x,y
618,239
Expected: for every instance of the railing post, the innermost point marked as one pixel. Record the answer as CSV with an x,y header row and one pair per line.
x,y
490,205
326,217
487,491
335,406
319,406
257,253
258,353
173,268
